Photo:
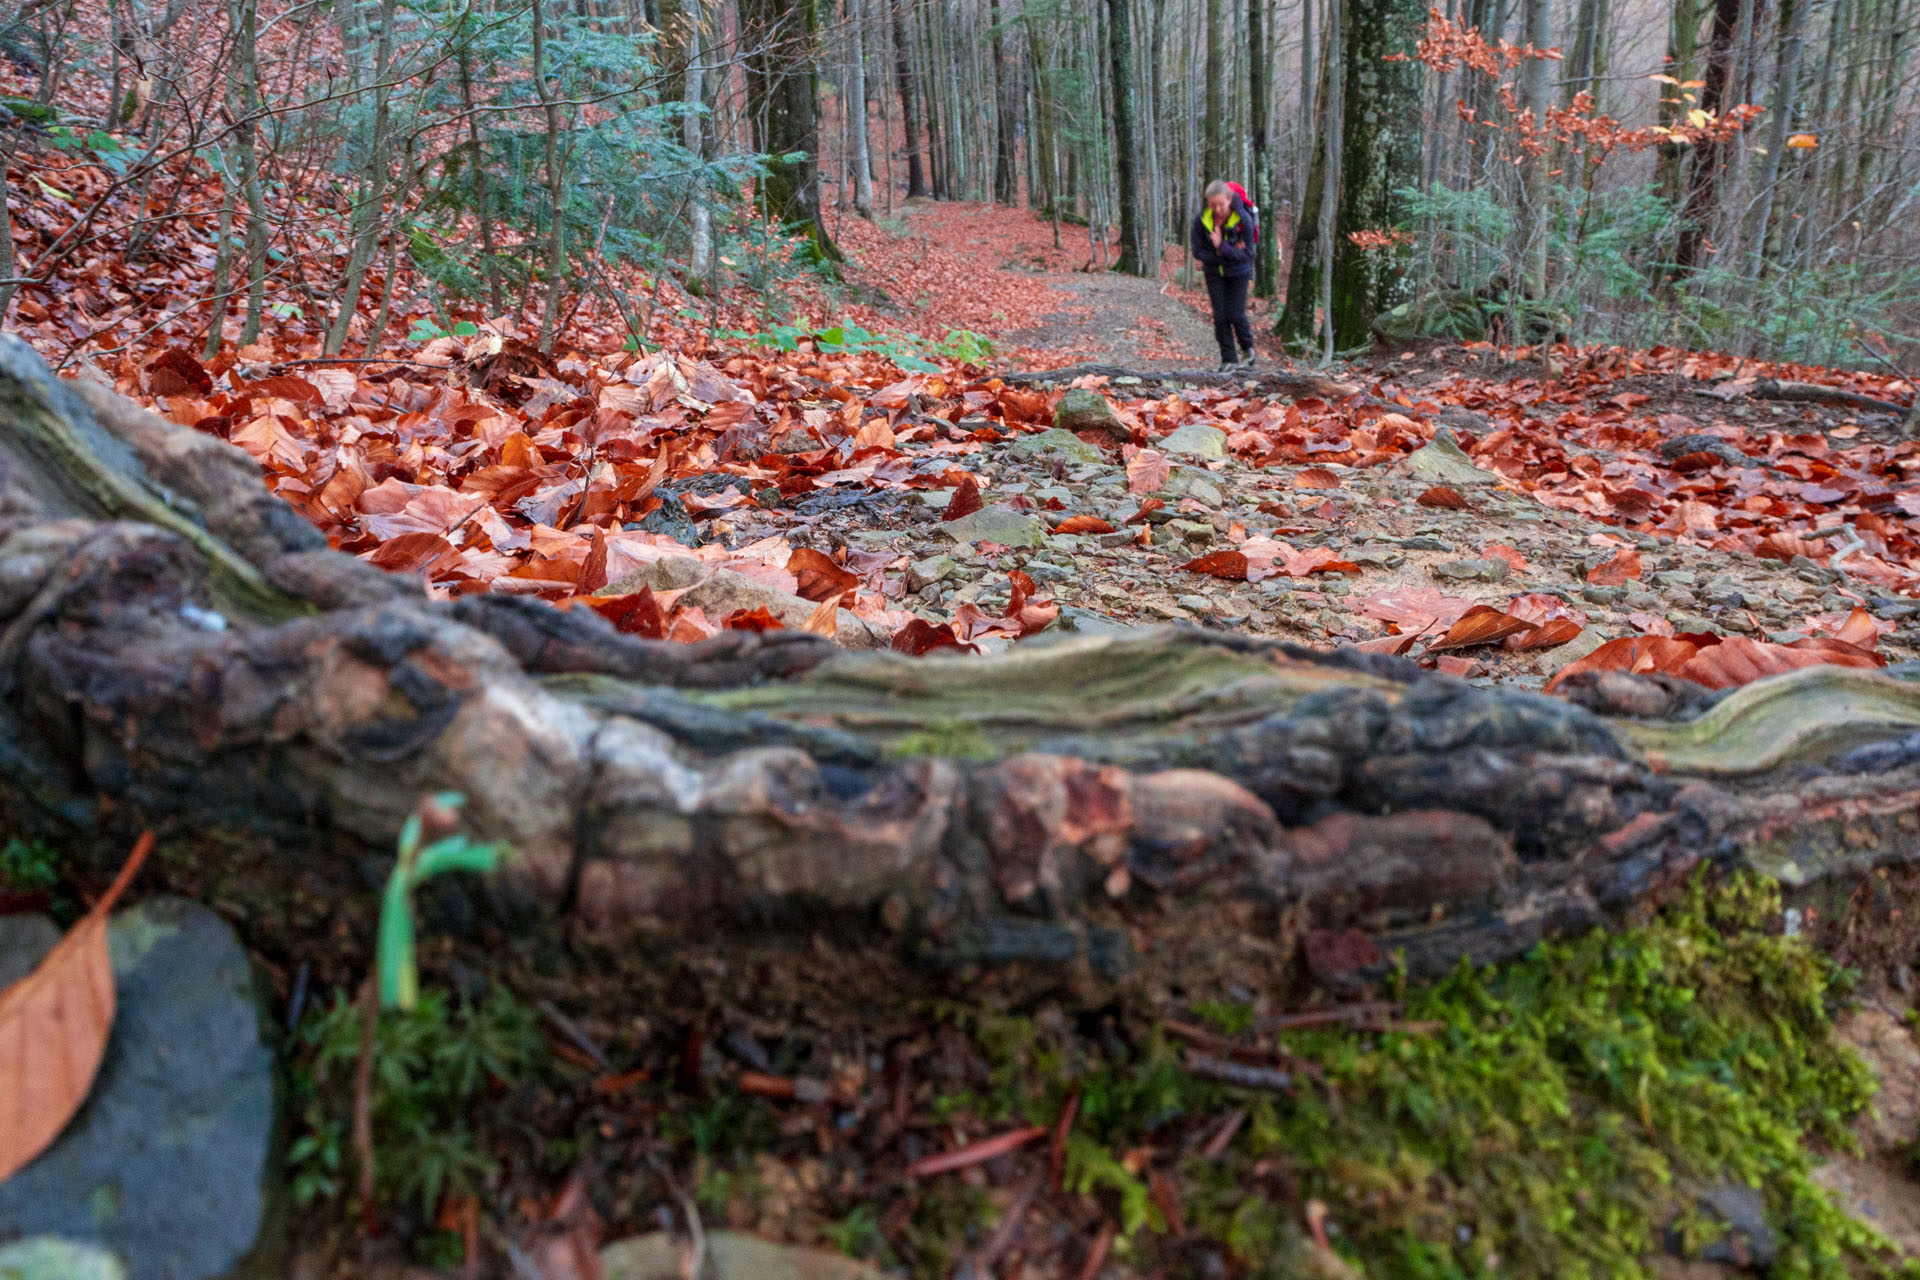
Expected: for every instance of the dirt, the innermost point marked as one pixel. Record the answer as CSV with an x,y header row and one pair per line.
x,y
1124,320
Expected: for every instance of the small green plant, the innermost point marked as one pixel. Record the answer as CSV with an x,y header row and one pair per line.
x,y
398,967
435,1065
858,1234
28,866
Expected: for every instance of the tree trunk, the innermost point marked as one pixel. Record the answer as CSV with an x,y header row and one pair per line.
x,y
1696,214
369,210
1312,257
556,185
1214,164
856,107
1534,98
1133,260
1006,172
1266,259
1780,114
178,650
783,101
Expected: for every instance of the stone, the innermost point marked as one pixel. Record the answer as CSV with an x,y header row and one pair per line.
x,y
1442,461
25,940
1572,651
1596,593
1082,409
725,591
1195,604
1426,542
1003,525
924,573
1473,570
668,573
1054,445
731,1255
1191,482
48,1258
1088,623
171,1163
1749,1241
1194,440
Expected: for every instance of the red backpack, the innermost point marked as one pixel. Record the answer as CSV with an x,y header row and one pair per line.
x,y
1250,211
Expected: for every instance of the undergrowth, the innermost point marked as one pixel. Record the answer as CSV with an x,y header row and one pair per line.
x,y
1559,1116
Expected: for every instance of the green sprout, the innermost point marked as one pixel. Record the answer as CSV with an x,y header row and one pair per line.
x,y
398,965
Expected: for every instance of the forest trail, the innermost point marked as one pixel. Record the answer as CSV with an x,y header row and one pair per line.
x,y
997,271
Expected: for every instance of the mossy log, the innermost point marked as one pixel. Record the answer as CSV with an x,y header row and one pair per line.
x,y
177,649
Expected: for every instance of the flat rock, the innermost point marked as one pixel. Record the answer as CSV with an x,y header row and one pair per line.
x,y
1194,440
1082,409
1003,525
924,573
724,591
1442,461
1191,482
1473,570
170,1163
668,573
1055,444
731,1255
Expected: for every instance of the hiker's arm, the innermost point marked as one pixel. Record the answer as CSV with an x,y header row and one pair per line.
x,y
1204,251
1231,254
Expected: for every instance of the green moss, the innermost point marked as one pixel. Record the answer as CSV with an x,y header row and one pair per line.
x,y
950,739
1571,1106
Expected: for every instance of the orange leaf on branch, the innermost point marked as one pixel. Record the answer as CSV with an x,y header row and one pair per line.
x,y
53,1029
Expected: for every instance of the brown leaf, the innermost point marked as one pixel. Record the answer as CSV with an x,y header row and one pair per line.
x,y
1221,564
756,619
53,1029
1147,506
825,618
1315,478
1624,565
1785,546
411,552
818,577
1482,624
1637,654
1083,524
593,573
1548,635
1147,470
1441,496
921,636
636,614
965,500
1737,660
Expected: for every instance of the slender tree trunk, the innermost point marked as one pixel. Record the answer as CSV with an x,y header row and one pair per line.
x,y
909,105
1780,111
1119,59
856,108
1696,215
1266,259
1215,163
482,192
694,137
1006,174
222,266
246,78
1534,99
783,99
556,184
369,212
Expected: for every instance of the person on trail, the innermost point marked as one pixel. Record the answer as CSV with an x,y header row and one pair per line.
x,y
1224,234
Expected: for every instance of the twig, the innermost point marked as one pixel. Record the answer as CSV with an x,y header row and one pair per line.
x,y
571,1030
1239,1073
975,1152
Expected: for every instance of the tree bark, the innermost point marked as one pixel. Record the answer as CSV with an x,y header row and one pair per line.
x,y
1266,258
1214,163
856,107
783,100
178,649
1133,257
1006,172
369,210
909,106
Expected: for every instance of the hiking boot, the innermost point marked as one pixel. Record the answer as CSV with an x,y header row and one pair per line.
x,y
1249,360
1228,366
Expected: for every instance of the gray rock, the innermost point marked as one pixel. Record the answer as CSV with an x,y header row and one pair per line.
x,y
1082,409
170,1163
1426,542
1595,593
1003,525
923,573
725,591
1473,570
1442,461
1196,604
1749,1241
1088,623
1572,651
668,573
1055,444
1194,440
731,1255
24,943
1191,482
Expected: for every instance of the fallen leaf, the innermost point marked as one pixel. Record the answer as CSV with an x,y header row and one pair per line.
x,y
635,614
1625,565
53,1029
1147,470
818,577
1315,478
921,636
1441,496
1083,524
1736,660
825,619
1639,655
965,500
1220,564
1482,624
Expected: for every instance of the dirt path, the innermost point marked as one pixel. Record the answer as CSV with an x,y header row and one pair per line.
x,y
1125,320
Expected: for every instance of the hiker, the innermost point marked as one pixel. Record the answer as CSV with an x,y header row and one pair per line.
x,y
1225,232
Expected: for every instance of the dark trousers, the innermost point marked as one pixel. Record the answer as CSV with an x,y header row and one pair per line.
x,y
1229,299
